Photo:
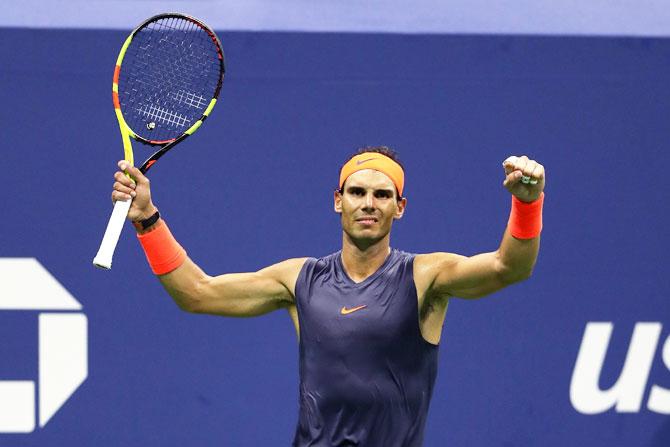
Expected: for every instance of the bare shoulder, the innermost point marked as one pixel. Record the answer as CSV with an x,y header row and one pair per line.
x,y
432,263
428,266
286,272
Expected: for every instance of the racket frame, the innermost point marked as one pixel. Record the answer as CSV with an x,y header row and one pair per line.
x,y
165,145
103,258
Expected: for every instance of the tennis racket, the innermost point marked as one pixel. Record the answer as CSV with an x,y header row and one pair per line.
x,y
166,82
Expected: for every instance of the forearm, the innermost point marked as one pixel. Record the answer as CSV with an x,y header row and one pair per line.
x,y
180,276
186,285
517,257
521,242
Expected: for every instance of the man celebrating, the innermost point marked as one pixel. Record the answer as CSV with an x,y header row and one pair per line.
x,y
368,317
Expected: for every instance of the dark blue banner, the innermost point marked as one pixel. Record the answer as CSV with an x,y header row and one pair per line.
x,y
579,353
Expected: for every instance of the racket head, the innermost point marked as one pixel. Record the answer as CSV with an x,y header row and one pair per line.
x,y
167,79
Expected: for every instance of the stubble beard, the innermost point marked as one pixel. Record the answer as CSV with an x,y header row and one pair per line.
x,y
363,241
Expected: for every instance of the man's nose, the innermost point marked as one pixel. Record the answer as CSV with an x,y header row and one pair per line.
x,y
369,201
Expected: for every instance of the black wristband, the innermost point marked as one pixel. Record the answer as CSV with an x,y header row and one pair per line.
x,y
146,223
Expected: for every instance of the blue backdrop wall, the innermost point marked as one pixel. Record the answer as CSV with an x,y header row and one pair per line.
x,y
255,187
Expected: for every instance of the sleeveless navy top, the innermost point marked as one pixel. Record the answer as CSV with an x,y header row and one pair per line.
x,y
366,372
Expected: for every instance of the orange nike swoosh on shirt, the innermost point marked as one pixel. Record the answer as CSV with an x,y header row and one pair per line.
x,y
345,311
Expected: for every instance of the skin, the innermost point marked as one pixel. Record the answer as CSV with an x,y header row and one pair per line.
x,y
367,206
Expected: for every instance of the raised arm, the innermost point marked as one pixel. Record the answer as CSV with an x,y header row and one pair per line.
x,y
447,274
234,294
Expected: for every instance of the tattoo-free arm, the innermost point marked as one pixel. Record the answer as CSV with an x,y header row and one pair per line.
x,y
449,274
233,294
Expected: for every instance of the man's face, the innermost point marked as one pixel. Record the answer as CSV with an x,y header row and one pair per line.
x,y
368,205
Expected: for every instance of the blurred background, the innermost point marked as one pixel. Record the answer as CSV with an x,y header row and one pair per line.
x,y
91,357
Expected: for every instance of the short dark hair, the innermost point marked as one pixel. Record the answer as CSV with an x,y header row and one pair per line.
x,y
384,150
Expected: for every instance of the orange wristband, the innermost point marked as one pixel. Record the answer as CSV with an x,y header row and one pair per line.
x,y
525,219
162,250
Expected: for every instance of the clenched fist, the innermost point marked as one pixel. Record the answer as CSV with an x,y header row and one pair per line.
x,y
524,178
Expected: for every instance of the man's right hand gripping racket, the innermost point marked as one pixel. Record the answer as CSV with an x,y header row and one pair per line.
x,y
167,79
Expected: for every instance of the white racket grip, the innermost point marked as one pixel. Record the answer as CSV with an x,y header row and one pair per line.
x,y
106,251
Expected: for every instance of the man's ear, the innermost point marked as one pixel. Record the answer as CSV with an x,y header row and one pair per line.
x,y
337,202
402,204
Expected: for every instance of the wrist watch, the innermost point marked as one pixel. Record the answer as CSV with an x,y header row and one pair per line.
x,y
146,223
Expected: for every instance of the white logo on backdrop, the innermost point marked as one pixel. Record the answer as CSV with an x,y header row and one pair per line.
x,y
63,344
627,393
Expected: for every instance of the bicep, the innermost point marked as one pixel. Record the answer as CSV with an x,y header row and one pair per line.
x,y
248,294
463,276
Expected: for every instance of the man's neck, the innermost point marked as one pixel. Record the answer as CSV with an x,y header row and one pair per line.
x,y
361,262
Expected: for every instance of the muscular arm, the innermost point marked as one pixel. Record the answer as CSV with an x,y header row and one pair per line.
x,y
233,294
447,274
482,274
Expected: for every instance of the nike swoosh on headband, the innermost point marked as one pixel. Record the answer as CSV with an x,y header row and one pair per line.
x,y
360,162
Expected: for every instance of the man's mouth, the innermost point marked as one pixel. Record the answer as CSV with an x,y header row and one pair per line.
x,y
367,220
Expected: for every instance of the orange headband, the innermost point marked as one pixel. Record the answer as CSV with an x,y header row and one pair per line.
x,y
378,162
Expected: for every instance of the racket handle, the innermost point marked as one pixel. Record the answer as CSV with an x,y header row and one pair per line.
x,y
106,251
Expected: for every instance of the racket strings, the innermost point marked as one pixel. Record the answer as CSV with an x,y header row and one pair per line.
x,y
169,75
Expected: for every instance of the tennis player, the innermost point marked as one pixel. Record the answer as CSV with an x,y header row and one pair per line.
x,y
368,317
